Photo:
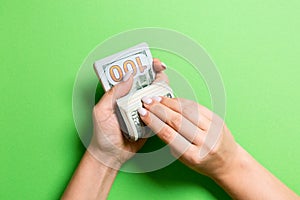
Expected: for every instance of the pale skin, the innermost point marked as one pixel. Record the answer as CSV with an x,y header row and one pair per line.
x,y
184,130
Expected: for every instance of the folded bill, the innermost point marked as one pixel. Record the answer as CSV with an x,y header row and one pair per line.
x,y
129,104
111,70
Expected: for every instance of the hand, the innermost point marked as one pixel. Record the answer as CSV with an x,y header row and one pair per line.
x,y
108,144
197,136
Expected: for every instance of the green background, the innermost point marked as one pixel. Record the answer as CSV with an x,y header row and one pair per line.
x,y
255,45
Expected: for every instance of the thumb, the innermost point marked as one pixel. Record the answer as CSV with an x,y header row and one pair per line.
x,y
121,89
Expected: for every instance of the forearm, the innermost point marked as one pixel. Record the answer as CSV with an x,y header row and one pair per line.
x,y
247,179
91,180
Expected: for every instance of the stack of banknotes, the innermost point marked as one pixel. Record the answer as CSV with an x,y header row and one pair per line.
x,y
111,70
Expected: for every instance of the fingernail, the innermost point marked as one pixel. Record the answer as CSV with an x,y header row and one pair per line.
x,y
146,100
127,75
142,111
156,98
163,65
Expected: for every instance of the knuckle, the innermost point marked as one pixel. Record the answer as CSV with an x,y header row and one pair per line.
x,y
195,159
199,141
188,107
175,121
196,156
196,136
166,133
187,110
192,157
174,153
154,107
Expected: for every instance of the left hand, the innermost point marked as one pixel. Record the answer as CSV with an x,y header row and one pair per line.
x,y
108,145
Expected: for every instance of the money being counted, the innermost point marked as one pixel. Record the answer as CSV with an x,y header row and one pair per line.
x,y
110,71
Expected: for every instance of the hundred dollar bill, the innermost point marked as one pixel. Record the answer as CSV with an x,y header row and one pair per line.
x,y
129,104
111,70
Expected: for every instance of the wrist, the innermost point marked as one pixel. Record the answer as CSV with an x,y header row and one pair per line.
x,y
106,159
240,163
107,164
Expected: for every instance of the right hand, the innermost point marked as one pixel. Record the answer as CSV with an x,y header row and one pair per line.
x,y
189,128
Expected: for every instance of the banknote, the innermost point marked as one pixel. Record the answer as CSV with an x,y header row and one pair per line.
x,y
111,70
129,104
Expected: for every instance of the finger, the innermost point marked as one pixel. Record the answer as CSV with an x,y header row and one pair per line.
x,y
197,114
178,105
161,76
167,134
158,66
108,101
175,120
